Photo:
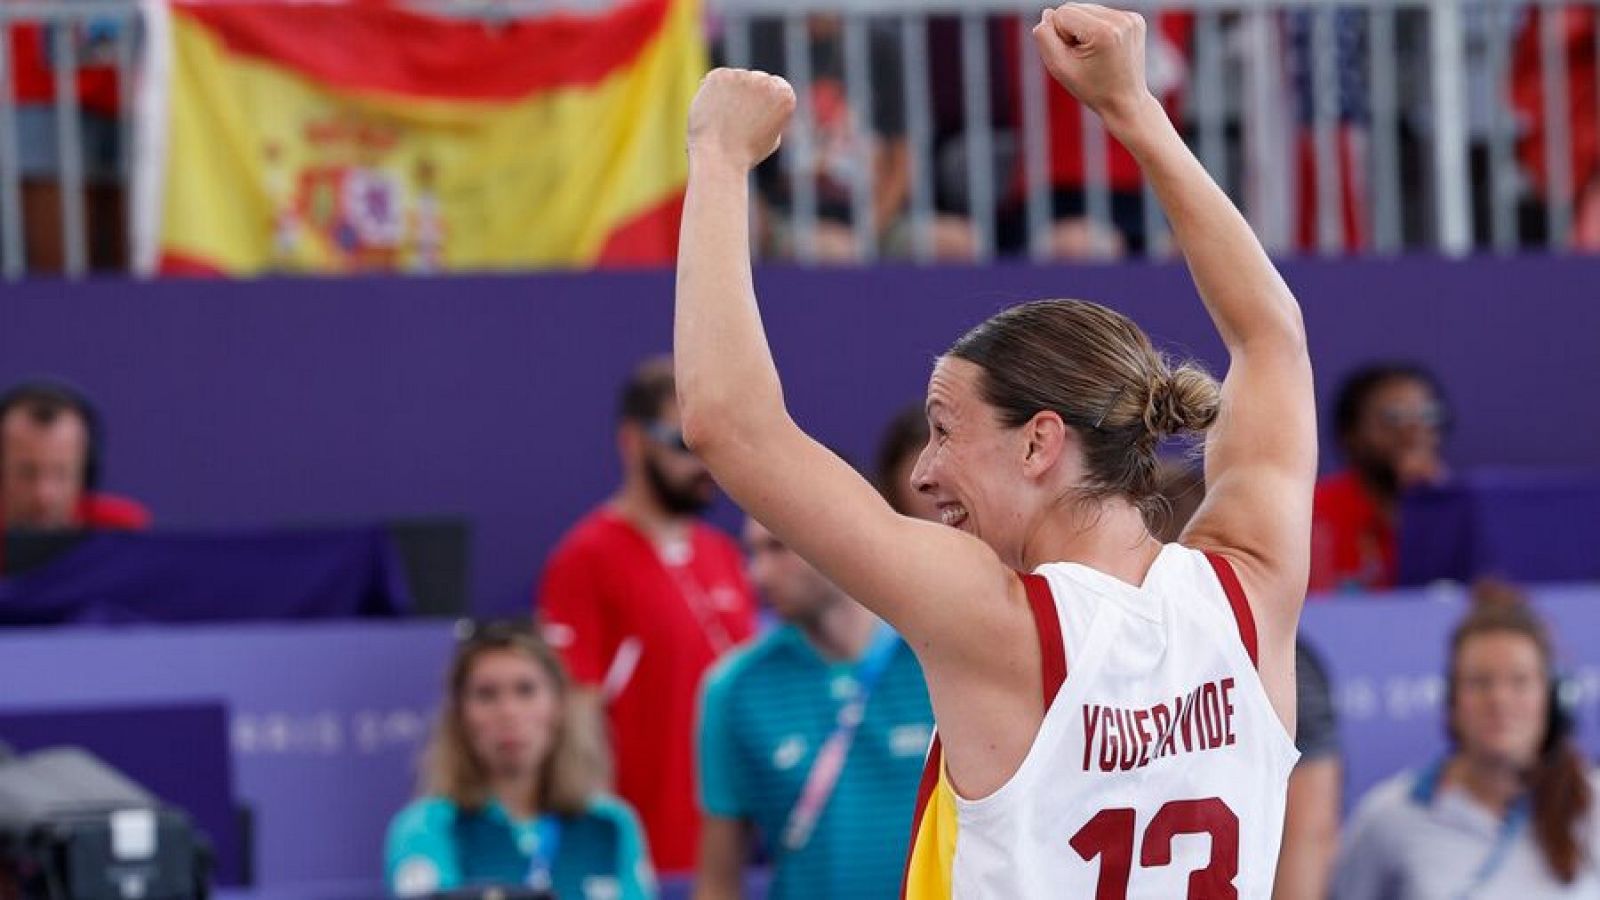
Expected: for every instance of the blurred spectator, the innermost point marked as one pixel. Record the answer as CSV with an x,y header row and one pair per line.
x,y
50,446
99,106
1350,121
510,793
1389,419
815,736
841,138
898,449
1577,35
1509,812
640,597
954,131
1311,820
1074,235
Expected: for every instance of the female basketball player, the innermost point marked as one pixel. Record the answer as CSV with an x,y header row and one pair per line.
x,y
1157,769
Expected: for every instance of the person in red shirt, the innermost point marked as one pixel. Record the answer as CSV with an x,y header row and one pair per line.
x,y
1073,234
98,97
1577,33
1390,420
640,597
50,462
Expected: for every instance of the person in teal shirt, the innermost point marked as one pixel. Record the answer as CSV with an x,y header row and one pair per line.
x,y
812,740
511,787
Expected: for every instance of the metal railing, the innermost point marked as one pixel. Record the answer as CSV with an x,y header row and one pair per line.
x,y
60,24
1410,135
1359,126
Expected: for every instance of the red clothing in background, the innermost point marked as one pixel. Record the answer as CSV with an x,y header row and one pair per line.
x,y
34,80
108,512
99,512
1352,543
1527,95
1170,41
642,630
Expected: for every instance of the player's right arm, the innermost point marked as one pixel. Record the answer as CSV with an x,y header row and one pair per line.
x,y
1261,454
962,610
944,590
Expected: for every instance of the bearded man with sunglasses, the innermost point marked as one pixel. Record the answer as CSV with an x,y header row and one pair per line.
x,y
640,598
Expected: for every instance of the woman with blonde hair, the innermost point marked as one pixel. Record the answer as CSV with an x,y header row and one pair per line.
x,y
511,786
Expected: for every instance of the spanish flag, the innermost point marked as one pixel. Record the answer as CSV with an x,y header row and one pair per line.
x,y
362,137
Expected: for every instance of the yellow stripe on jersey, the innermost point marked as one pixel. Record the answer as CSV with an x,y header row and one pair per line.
x,y
933,845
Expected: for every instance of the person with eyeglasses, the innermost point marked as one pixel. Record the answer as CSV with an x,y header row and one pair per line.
x,y
511,798
640,597
1390,420
1509,811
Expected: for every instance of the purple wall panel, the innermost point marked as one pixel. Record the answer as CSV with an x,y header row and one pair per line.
x,y
275,401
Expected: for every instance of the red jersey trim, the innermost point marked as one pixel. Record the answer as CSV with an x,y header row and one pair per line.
x,y
1053,670
925,789
1236,599
1052,649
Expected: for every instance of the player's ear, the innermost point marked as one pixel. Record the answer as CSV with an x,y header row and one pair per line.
x,y
1045,437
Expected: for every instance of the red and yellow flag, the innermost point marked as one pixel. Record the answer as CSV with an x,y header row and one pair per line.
x,y
366,137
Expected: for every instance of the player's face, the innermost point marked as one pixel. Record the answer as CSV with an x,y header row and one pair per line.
x,y
969,468
680,481
1400,423
41,469
794,589
1501,694
510,711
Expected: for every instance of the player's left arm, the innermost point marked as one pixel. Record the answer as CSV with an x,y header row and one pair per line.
x,y
1261,453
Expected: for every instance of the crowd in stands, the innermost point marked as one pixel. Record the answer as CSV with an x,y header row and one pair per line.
x,y
845,142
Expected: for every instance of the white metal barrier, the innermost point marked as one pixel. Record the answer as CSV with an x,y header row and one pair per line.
x,y
1376,126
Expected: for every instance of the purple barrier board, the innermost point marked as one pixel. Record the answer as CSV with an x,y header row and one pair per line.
x,y
244,403
326,721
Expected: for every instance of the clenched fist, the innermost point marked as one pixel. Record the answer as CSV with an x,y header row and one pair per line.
x,y
739,115
1096,53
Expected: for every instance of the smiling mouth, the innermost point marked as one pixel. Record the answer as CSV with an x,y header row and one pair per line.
x,y
952,514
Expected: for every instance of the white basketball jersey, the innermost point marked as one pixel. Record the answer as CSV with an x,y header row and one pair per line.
x,y
1160,769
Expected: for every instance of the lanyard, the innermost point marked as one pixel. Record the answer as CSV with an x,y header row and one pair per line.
x,y
1427,788
542,861
1510,828
829,762
700,605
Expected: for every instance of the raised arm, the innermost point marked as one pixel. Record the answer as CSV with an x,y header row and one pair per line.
x,y
1261,454
944,590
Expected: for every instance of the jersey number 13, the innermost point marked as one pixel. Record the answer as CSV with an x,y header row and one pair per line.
x,y
1109,835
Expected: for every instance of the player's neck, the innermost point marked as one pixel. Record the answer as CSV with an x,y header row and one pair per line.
x,y
1493,786
1111,538
518,793
842,631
